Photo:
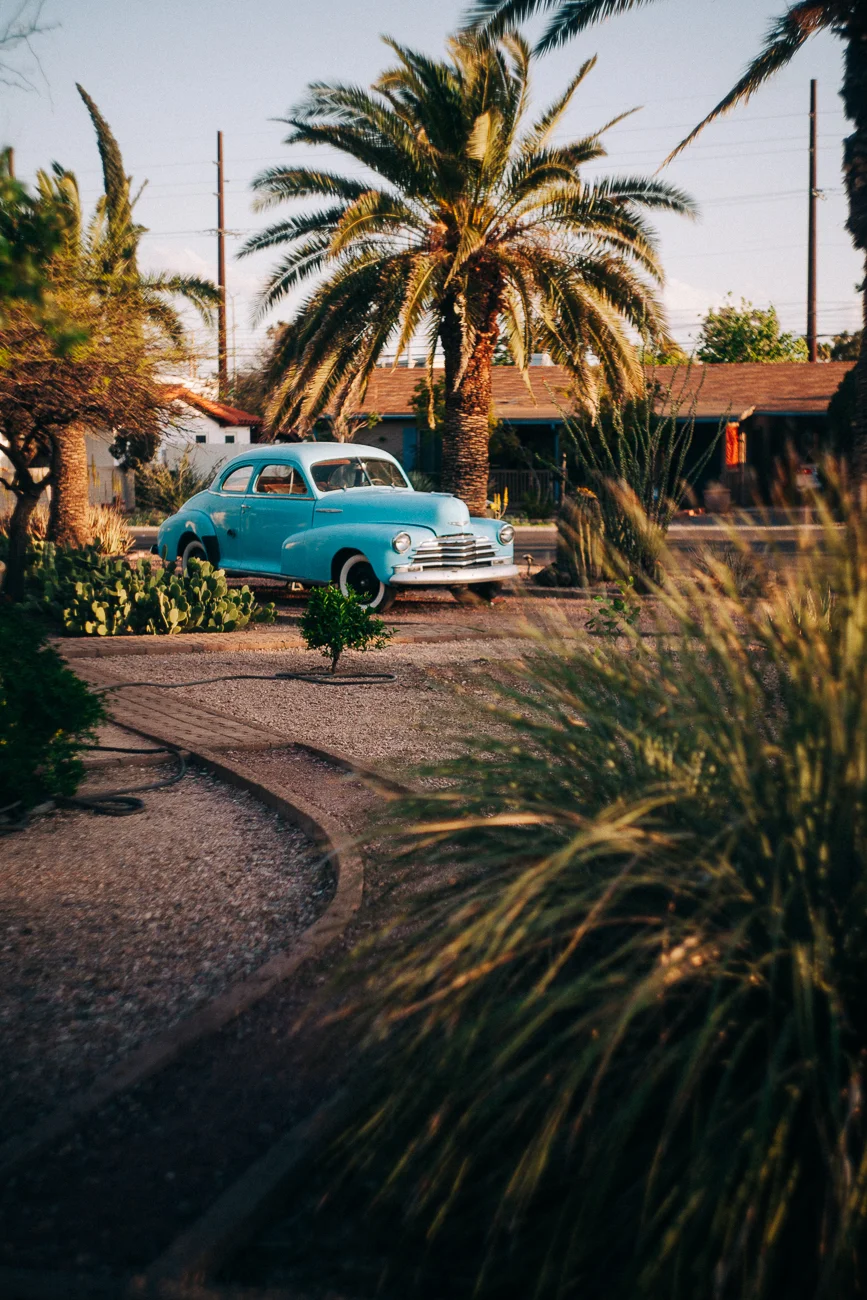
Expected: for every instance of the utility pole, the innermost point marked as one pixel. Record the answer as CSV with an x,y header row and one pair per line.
x,y
10,153
222,361
812,334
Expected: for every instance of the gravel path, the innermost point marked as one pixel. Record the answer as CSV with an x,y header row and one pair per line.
x,y
111,929
393,725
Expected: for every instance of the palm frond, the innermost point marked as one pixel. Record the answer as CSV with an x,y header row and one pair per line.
x,y
116,183
783,41
539,135
276,184
199,293
481,223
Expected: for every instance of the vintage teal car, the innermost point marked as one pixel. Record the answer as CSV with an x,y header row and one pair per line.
x,y
320,512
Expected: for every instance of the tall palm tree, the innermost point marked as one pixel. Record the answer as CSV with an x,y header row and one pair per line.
x,y
99,258
846,19
474,223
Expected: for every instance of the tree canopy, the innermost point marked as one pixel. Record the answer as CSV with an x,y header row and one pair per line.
x,y
471,220
747,333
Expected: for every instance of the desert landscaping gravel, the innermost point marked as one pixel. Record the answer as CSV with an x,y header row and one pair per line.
x,y
425,713
112,929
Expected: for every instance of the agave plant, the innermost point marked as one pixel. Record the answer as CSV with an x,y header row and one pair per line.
x,y
624,1053
476,223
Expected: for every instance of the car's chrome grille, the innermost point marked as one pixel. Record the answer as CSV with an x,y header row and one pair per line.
x,y
457,551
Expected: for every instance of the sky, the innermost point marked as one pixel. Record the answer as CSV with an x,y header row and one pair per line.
x,y
167,74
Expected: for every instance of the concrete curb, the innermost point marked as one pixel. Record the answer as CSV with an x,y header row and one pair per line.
x,y
158,1052
223,1229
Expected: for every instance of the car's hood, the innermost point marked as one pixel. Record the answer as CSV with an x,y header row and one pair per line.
x,y
436,510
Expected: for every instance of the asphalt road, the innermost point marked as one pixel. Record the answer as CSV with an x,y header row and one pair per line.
x,y
541,543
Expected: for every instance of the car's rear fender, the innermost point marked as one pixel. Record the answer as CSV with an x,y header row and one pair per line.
x,y
310,556
186,525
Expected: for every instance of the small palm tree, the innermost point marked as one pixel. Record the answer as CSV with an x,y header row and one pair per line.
x,y
98,260
846,19
478,224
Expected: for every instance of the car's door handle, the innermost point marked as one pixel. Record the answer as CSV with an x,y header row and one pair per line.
x,y
245,507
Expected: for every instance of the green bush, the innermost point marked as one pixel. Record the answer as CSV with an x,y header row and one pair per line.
x,y
333,623
91,595
624,1053
538,504
46,715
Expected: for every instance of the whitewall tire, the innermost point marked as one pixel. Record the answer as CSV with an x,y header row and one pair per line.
x,y
357,575
193,550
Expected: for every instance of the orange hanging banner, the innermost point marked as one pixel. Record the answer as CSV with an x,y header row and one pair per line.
x,y
733,440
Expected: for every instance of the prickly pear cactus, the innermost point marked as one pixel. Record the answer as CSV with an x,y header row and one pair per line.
x,y
91,595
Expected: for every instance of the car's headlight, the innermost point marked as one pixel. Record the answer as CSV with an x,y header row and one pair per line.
x,y
506,534
401,542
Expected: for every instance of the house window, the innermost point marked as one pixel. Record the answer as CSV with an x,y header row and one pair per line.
x,y
201,437
230,437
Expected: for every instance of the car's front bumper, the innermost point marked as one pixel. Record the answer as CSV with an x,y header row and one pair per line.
x,y
412,577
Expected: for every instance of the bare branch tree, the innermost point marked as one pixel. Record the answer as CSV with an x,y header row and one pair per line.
x,y
20,21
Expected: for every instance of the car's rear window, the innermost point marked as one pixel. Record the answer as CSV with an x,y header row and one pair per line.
x,y
237,479
356,471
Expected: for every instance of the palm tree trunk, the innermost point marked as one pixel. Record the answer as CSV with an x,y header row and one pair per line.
x,y
68,522
467,424
855,174
26,501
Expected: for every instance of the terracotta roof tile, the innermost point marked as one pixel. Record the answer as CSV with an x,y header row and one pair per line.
x,y
229,416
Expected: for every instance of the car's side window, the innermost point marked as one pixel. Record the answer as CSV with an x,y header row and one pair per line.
x,y
281,480
237,480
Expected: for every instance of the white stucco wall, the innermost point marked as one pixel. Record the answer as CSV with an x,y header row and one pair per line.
x,y
198,429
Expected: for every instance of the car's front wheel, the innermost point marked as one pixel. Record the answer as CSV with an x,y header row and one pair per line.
x,y
194,550
357,576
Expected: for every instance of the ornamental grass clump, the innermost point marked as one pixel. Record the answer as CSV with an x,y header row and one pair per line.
x,y
623,1053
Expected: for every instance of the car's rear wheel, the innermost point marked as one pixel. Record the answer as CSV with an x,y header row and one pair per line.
x,y
194,550
357,576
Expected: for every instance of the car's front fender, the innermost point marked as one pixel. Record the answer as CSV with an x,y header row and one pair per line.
x,y
309,556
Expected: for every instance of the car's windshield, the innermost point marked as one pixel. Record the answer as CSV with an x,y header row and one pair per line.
x,y
356,471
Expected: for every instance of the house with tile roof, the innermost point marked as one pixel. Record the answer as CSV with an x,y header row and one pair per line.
x,y
767,408
209,431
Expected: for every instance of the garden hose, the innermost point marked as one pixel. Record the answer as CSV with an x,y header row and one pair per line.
x,y
123,803
108,803
368,679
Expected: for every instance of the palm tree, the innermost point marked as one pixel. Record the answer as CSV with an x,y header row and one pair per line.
x,y
477,224
100,259
846,19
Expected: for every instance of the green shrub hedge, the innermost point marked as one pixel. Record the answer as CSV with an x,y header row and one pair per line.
x,y
46,715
